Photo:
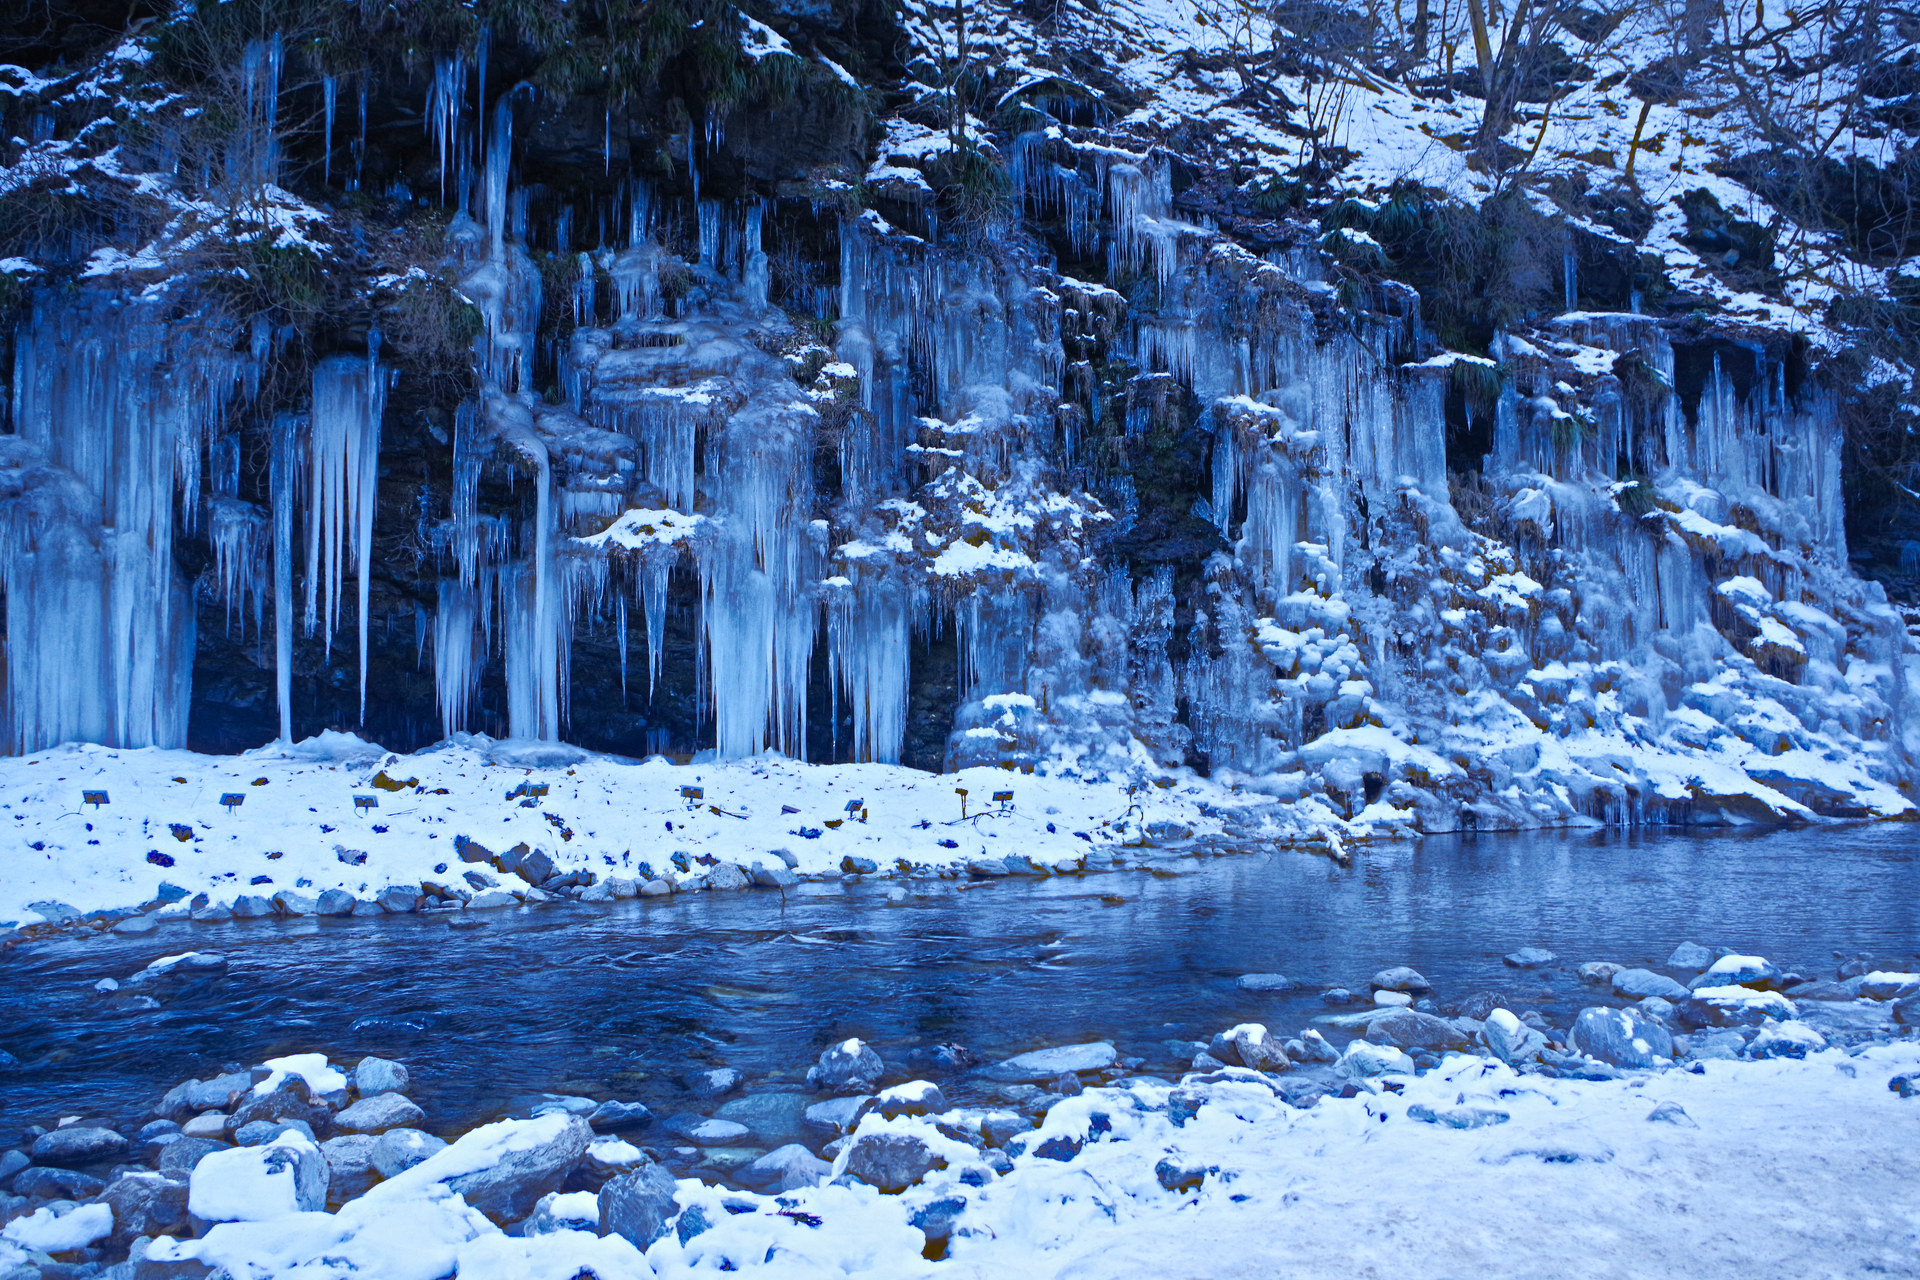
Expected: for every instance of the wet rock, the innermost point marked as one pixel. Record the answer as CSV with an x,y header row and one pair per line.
x,y
379,1075
212,913
146,1204
217,1093
135,926
380,1112
334,902
254,1184
251,906
398,1150
1599,972
174,974
45,1183
772,1117
181,1157
79,1145
563,1211
260,1132
774,878
1820,991
854,866
1620,1038
289,902
708,1131
350,1168
1249,1045
847,1067
1401,978
1265,982
1637,984
835,1116
1689,957
1314,1048
1673,1113
492,900
715,1083
1411,1029
1530,958
785,1168
693,1221
508,1191
618,1117
1046,1064
891,1162
1338,997
637,1206
291,1099
1392,1000
1907,1012
12,1162
1739,971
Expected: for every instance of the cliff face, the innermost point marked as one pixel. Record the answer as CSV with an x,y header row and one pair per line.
x,y
1094,392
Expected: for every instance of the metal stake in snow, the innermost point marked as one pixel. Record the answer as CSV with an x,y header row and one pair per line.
x,y
693,796
962,793
232,800
94,798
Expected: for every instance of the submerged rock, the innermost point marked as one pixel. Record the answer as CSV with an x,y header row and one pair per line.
x,y
847,1067
1045,1064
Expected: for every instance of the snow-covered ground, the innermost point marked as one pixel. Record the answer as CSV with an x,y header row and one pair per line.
x,y
1771,1168
298,826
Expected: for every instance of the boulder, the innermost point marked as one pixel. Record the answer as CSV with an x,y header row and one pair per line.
x,y
715,1083
637,1206
1637,984
1620,1038
182,1156
1599,972
787,1168
1411,1029
1739,971
708,1131
834,1116
617,1117
1046,1064
563,1211
891,1162
398,1150
847,1067
1249,1045
916,1098
1364,1059
399,899
1881,985
774,1118
1786,1040
251,906
289,903
146,1204
1689,957
350,1168
1733,1006
135,926
1907,1012
1314,1048
536,1160
256,1184
774,878
291,1099
216,1094
1401,978
79,1145
491,900
334,902
1510,1040
45,1183
379,1075
1530,958
727,876
258,1133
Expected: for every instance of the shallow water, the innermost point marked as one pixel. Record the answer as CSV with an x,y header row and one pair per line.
x,y
617,1001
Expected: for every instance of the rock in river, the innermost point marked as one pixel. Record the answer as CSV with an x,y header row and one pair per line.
x,y
847,1067
1411,1029
1046,1064
1638,984
381,1112
1530,958
379,1075
1401,978
891,1162
78,1145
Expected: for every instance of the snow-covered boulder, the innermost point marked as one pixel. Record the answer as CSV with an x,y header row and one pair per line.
x,y
255,1184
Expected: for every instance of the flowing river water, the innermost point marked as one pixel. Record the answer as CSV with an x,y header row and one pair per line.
x,y
620,1000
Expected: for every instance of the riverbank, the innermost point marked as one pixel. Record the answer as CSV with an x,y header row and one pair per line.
x,y
1730,1130
93,838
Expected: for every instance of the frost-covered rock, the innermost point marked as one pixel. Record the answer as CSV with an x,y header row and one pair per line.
x,y
1363,1060
52,1230
1881,985
1046,1064
786,1168
1738,971
889,1161
1249,1045
1511,1040
1789,1039
1401,978
255,1184
847,1067
637,1206
1733,1007
1620,1037
525,1160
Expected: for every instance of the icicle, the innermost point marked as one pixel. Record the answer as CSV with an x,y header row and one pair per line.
x,y
328,92
754,275
349,397
620,631
284,480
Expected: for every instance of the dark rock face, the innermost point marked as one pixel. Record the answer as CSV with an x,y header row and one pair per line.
x,y
637,1206
891,1162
